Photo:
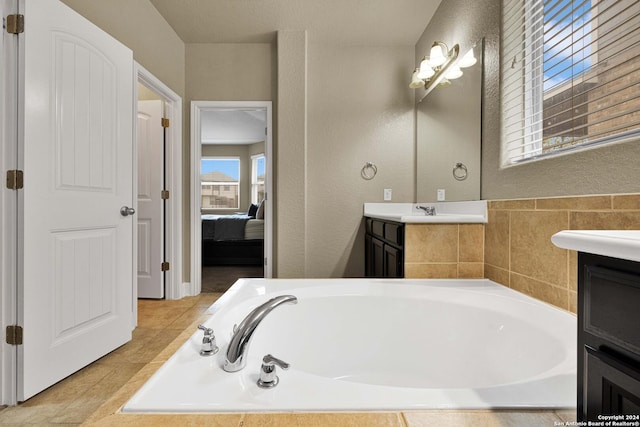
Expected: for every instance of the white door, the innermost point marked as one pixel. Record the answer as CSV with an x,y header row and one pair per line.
x,y
76,268
150,203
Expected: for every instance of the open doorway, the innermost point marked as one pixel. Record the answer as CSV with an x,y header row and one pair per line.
x,y
158,170
230,187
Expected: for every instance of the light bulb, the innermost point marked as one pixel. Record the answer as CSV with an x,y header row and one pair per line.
x,y
467,60
436,57
426,71
415,80
453,73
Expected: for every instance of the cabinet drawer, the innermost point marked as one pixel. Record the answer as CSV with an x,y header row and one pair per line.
x,y
394,233
377,228
611,301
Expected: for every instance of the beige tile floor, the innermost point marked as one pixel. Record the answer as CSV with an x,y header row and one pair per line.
x,y
94,395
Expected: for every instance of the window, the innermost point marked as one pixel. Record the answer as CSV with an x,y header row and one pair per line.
x,y
570,75
257,178
220,181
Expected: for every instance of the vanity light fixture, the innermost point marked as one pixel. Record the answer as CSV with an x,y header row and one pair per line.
x,y
440,67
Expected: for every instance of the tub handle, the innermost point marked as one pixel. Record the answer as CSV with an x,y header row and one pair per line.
x,y
268,377
209,346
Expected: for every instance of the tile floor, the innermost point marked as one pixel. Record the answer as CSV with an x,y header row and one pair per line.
x,y
93,395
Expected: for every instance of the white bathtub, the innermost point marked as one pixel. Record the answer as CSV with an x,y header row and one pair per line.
x,y
360,344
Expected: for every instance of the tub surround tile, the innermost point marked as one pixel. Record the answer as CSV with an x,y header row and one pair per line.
x,y
470,270
518,240
532,253
543,291
626,201
583,203
615,220
429,243
519,204
471,243
496,247
497,274
444,251
430,271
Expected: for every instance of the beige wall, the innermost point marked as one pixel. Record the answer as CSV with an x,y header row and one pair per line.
x,y
222,72
138,25
360,109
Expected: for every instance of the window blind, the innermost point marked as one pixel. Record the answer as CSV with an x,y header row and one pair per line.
x,y
570,75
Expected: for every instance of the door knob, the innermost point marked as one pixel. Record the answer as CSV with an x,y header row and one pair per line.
x,y
126,211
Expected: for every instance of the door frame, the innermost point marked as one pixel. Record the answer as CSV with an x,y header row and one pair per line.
x,y
9,200
197,107
174,289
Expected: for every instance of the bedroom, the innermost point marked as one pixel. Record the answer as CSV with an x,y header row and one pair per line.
x,y
232,188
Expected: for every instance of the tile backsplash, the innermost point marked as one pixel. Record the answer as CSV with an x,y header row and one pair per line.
x,y
518,251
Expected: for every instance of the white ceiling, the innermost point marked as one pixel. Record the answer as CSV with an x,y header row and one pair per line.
x,y
363,22
233,126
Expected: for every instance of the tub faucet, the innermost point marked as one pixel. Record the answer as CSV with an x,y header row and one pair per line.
x,y
239,344
428,210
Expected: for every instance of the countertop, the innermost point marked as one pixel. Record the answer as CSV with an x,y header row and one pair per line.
x,y
623,244
446,212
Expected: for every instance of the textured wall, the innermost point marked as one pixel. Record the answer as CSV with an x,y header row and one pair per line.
x,y
360,110
221,72
291,155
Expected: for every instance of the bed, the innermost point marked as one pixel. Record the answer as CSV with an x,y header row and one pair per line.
x,y
232,240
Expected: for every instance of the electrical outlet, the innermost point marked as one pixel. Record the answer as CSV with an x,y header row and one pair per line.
x,y
387,194
441,196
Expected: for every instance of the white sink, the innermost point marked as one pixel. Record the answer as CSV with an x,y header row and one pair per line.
x,y
446,212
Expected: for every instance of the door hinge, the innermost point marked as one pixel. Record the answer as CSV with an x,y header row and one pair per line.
x,y
15,179
14,335
164,194
165,122
15,24
164,266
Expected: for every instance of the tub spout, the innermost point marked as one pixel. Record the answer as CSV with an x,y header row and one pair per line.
x,y
239,344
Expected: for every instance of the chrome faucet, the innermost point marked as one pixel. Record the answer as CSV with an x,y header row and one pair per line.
x,y
428,210
239,344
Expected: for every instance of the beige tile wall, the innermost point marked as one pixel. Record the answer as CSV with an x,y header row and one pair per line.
x,y
444,251
518,251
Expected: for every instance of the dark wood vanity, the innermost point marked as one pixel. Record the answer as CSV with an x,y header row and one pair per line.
x,y
384,248
608,338
608,365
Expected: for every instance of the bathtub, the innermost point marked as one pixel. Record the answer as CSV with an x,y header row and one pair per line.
x,y
364,344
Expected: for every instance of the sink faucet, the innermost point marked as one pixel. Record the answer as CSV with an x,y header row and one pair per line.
x,y
428,210
239,344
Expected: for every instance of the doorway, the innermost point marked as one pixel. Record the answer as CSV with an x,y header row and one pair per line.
x,y
167,238
231,182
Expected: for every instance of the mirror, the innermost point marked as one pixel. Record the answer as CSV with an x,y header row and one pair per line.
x,y
449,136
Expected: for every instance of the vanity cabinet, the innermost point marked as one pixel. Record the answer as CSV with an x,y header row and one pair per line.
x,y
384,248
608,337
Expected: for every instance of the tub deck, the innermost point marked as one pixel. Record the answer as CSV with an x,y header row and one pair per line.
x,y
205,387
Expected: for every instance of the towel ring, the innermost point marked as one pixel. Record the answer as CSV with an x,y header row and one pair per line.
x,y
460,172
369,171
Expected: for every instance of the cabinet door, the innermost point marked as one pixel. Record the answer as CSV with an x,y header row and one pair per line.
x,y
393,262
368,256
377,257
612,386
